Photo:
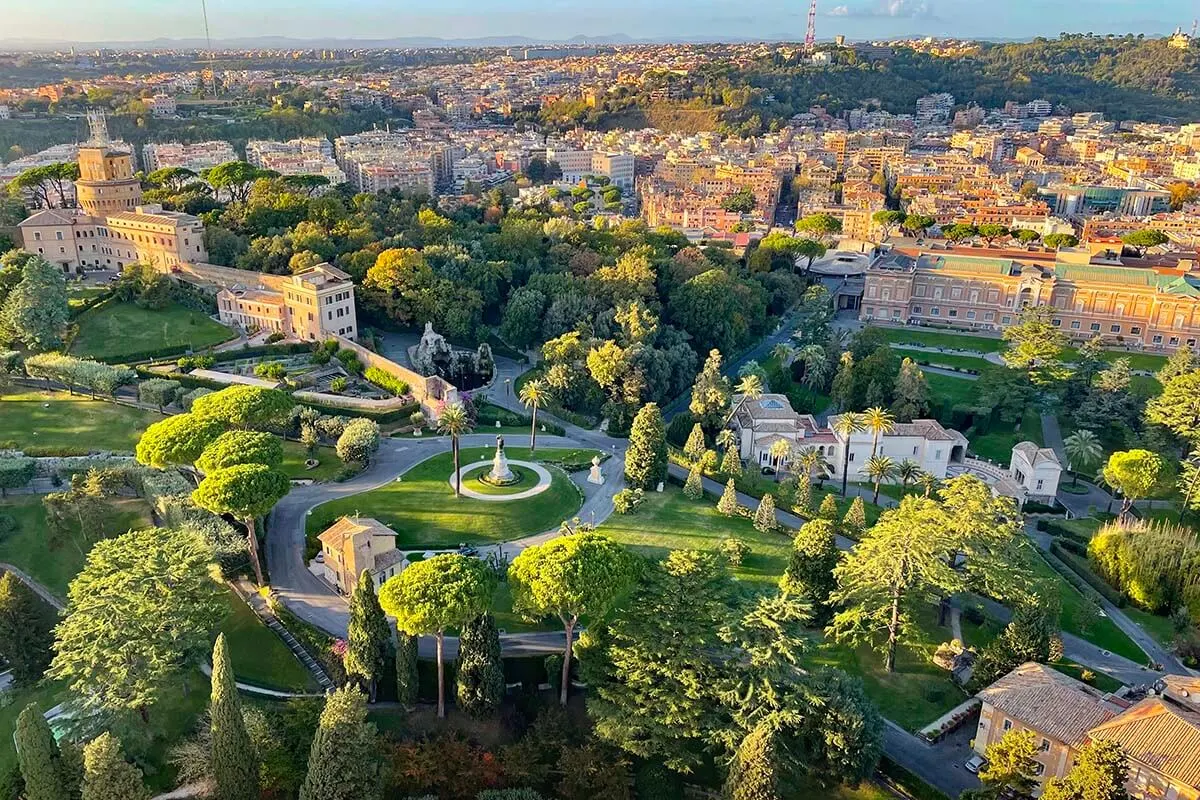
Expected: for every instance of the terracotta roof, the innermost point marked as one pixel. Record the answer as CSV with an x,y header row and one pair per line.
x,y
56,216
1160,733
348,526
769,406
1183,688
1051,703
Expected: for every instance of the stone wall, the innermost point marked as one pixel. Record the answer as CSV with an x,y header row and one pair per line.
x,y
432,393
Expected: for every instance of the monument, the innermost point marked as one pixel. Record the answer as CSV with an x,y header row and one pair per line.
x,y
500,475
596,476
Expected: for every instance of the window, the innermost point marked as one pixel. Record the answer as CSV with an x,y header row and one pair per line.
x,y
1075,325
1114,328
1039,769
37,236
935,311
1056,323
851,459
953,312
1173,341
1008,724
989,316
1095,326
1040,483
970,315
1135,330
1006,320
1157,337
917,309
58,235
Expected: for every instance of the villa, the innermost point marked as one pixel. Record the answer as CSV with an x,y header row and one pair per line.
x,y
353,544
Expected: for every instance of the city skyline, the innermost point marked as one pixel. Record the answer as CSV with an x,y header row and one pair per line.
x,y
138,21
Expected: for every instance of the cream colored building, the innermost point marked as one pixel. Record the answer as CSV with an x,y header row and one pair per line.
x,y
354,544
1036,469
310,305
145,235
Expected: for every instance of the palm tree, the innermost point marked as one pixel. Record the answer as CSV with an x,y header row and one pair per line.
x,y
928,482
727,438
878,422
1083,450
533,394
784,353
455,422
810,459
845,426
751,386
909,471
879,469
780,449
816,366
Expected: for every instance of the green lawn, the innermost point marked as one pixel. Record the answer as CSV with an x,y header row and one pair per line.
x,y
62,424
947,360
1146,362
950,391
997,444
672,521
421,507
1102,682
259,656
919,691
931,338
30,549
1160,628
113,330
78,295
294,456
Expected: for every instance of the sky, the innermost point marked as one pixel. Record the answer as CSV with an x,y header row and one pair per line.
x,y
140,20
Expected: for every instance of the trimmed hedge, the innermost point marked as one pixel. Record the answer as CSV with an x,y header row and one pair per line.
x,y
386,381
382,417
89,304
1079,573
290,349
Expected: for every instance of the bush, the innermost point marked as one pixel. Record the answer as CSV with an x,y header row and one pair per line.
x,y
1152,563
358,441
627,501
680,428
338,385
271,370
386,381
1077,571
734,551
8,525
350,361
275,337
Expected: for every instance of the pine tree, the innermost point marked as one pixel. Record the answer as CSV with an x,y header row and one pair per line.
x,y
41,762
828,509
407,683
855,520
911,392
809,572
26,630
803,503
728,504
108,776
480,676
233,762
344,759
731,465
695,446
646,458
694,486
764,517
755,773
369,636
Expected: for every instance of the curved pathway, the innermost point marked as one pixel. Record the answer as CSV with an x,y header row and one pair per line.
x,y
543,475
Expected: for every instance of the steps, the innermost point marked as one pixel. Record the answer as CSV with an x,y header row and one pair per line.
x,y
260,608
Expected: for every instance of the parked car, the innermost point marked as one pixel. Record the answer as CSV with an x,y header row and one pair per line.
x,y
467,550
975,763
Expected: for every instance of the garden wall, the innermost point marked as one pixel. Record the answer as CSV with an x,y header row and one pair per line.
x,y
432,393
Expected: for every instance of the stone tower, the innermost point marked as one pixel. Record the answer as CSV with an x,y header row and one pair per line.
x,y
106,182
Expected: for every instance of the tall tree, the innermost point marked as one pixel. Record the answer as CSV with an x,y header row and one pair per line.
x,y
108,776
696,445
652,693
1178,407
1144,239
358,442
911,392
246,491
407,677
710,393
368,639
138,615
177,440
35,311
1136,474
646,458
845,426
1011,767
1035,345
479,679
569,577
533,395
233,762
900,563
344,761
454,422
26,630
446,591
1100,771
879,469
246,406
1084,451
241,447
42,766
809,573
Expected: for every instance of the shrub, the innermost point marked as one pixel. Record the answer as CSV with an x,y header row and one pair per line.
x,y
271,370
275,337
734,551
627,501
1077,571
338,385
358,441
8,525
386,381
350,361
1153,563
1088,677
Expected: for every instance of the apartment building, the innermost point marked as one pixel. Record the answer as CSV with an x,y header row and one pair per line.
x,y
197,156
1157,308
311,305
296,157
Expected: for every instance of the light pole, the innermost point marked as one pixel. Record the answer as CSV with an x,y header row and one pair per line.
x,y
508,387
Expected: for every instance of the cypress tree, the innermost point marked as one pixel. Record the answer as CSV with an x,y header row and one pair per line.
x,y
41,762
646,458
803,502
26,630
695,446
828,509
480,675
407,683
106,773
694,486
728,503
368,640
856,518
344,759
233,762
755,772
764,517
731,465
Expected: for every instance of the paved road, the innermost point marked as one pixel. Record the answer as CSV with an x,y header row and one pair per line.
x,y
939,764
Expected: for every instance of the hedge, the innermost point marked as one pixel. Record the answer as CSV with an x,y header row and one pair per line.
x,y
90,303
1079,573
382,417
386,381
290,349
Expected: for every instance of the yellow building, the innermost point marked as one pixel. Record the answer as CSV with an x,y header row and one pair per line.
x,y
354,544
310,305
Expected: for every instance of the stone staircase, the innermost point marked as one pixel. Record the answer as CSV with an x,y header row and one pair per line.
x,y
259,606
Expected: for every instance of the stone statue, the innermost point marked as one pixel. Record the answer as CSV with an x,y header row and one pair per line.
x,y
500,475
500,441
595,475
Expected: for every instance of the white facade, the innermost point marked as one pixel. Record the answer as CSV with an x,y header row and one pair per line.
x,y
1036,469
933,447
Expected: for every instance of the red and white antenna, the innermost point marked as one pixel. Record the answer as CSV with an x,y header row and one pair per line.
x,y
810,40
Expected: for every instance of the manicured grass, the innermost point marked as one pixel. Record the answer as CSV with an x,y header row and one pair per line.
x,y
526,479
294,456
919,691
953,341
78,295
997,444
71,424
673,521
29,547
947,360
423,511
260,658
113,330
1101,631
1145,362
1160,628
1104,683
950,391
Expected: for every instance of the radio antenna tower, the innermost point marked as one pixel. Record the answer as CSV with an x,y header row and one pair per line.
x,y
810,40
212,60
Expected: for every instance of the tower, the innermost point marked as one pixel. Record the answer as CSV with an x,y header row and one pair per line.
x,y
810,40
106,182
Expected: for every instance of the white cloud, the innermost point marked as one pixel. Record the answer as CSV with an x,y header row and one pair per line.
x,y
908,9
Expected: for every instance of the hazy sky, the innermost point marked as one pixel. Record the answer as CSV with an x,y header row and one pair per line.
x,y
131,20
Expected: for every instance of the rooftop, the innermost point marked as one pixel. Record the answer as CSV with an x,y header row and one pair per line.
x,y
1049,702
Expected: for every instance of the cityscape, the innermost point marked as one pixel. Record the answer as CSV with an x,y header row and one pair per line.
x,y
531,403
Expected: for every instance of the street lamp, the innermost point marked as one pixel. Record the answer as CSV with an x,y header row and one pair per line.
x,y
508,387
